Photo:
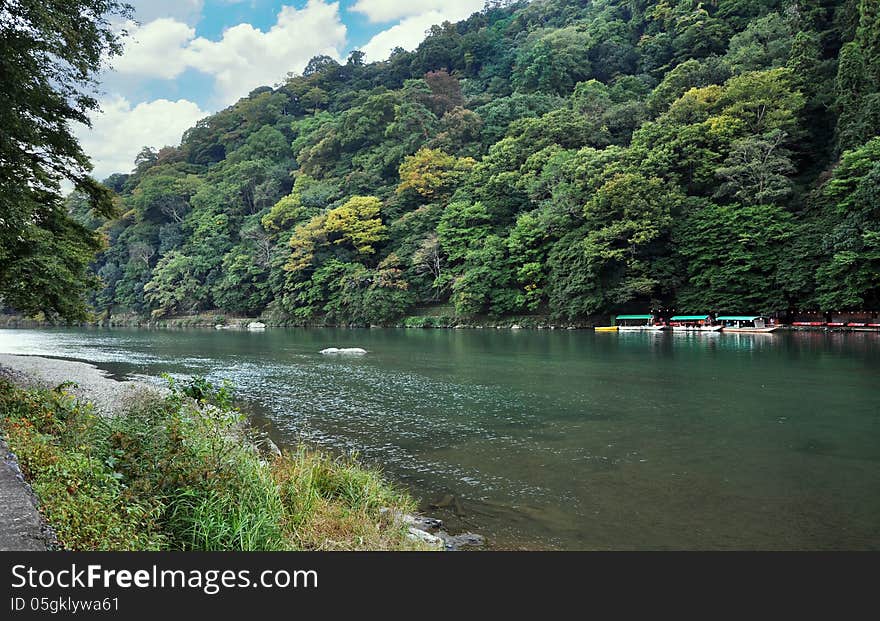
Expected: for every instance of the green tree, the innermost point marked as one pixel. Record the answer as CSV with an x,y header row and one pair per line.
x,y
857,98
764,44
175,286
488,281
49,273
732,255
51,53
461,227
764,101
849,276
757,171
628,222
553,61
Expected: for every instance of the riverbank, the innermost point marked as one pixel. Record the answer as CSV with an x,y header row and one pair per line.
x,y
180,470
418,321
227,322
23,528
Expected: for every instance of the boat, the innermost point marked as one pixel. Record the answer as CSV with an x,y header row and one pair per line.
x,y
633,323
605,328
746,324
863,326
693,323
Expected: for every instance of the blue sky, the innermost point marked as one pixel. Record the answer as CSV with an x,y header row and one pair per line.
x,y
185,59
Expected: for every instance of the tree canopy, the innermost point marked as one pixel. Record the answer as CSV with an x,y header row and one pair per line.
x,y
571,159
50,54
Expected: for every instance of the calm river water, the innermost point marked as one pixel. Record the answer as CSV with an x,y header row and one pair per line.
x,y
564,439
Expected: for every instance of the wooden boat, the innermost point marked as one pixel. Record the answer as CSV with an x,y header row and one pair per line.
x,y
746,324
693,323
637,323
605,328
809,324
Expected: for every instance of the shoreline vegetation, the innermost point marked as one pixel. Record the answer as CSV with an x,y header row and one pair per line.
x,y
221,321
184,471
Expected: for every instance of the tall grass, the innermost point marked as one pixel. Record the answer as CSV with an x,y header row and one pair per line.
x,y
183,473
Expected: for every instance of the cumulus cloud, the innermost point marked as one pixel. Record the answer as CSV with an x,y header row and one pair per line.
x,y
391,10
247,57
155,49
410,31
120,131
244,58
407,34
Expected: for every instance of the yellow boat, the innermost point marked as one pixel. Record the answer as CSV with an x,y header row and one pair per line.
x,y
605,328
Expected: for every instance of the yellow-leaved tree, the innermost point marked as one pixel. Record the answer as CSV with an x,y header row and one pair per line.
x,y
355,224
432,173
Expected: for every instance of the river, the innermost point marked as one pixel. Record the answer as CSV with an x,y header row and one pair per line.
x,y
563,439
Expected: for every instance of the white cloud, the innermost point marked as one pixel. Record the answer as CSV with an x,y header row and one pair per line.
x,y
187,11
247,57
407,34
410,31
390,10
244,58
155,49
121,131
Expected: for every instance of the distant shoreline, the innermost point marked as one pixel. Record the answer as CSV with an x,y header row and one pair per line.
x,y
426,322
221,322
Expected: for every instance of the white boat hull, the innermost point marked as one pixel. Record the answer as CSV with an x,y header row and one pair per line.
x,y
697,328
641,328
752,330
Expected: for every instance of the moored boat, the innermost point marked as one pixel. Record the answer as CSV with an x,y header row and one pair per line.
x,y
746,324
633,323
605,328
863,326
693,323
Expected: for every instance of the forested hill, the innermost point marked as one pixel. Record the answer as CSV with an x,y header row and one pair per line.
x,y
556,157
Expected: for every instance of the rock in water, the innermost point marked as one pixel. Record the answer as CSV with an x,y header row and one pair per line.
x,y
419,535
350,351
461,542
256,325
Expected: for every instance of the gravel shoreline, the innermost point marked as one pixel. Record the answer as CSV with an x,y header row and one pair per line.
x,y
92,384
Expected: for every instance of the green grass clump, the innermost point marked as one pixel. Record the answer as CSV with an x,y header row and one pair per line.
x,y
182,472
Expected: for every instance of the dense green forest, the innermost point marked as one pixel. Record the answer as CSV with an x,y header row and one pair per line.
x,y
560,158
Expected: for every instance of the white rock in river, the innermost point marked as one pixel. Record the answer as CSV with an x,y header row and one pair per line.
x,y
351,351
256,325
